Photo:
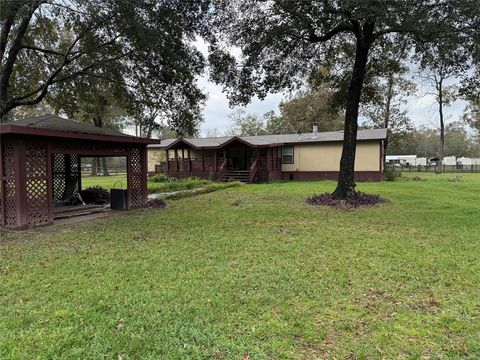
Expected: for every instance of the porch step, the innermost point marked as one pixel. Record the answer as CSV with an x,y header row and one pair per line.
x,y
63,212
237,175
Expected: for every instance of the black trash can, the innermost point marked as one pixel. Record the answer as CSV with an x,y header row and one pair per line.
x,y
118,198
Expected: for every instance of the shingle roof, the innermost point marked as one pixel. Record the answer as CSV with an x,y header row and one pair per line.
x,y
266,140
51,125
52,122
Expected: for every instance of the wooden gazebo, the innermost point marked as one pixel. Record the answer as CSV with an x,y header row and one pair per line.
x,y
40,157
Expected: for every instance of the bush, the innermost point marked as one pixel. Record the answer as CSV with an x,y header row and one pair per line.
x,y
173,184
95,195
391,173
162,178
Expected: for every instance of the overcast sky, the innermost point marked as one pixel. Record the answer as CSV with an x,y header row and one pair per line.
x,y
421,108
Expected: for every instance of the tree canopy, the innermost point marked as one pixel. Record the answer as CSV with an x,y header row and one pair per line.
x,y
50,49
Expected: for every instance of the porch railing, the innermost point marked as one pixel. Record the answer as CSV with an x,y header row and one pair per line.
x,y
222,169
253,170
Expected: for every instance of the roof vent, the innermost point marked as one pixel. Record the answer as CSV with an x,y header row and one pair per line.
x,y
315,130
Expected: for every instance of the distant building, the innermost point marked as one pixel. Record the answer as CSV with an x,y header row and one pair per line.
x,y
403,160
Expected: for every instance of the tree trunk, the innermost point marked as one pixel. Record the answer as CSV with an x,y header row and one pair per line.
x,y
95,166
346,184
442,126
103,160
388,106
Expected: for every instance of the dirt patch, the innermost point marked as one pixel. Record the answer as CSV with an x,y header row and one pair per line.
x,y
157,204
357,201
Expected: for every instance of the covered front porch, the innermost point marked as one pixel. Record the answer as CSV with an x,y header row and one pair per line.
x,y
233,160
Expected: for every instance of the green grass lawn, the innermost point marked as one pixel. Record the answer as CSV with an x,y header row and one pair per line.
x,y
120,181
106,182
254,269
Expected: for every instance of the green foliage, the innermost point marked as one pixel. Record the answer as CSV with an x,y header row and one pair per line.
x,y
95,195
246,124
96,57
172,184
212,276
202,190
424,142
472,114
391,173
161,178
308,106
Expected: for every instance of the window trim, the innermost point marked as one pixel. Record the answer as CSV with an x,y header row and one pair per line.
x,y
293,155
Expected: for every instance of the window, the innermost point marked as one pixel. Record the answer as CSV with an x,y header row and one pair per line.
x,y
287,155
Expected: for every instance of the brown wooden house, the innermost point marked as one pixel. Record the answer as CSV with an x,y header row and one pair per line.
x,y
40,165
267,157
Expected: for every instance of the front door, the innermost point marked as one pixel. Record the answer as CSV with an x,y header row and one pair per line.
x,y
238,158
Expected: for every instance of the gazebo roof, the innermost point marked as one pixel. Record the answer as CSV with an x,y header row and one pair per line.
x,y
55,126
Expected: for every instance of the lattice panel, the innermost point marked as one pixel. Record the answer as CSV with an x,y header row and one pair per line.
x,y
36,186
37,202
9,203
136,178
36,161
8,160
8,185
66,176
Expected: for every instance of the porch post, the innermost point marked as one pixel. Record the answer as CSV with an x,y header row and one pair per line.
x,y
269,153
20,183
188,160
215,162
166,157
176,157
183,160
203,161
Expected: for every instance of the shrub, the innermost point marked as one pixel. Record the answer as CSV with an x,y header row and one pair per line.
x,y
162,178
95,195
391,173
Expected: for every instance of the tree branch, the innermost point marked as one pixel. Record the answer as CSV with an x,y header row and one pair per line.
x,y
343,27
45,51
14,50
6,26
54,80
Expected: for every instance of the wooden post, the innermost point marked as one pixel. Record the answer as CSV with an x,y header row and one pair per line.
x,y
176,158
166,157
2,189
269,165
188,160
50,183
203,161
144,165
215,162
20,183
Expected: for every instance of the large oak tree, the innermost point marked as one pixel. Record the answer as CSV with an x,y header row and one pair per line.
x,y
284,41
50,49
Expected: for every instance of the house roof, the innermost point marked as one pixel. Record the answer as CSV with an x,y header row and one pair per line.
x,y
55,126
271,140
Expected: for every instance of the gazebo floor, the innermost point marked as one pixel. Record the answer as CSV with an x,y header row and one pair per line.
x,y
63,212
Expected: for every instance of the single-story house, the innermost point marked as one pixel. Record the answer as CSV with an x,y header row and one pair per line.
x,y
268,157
